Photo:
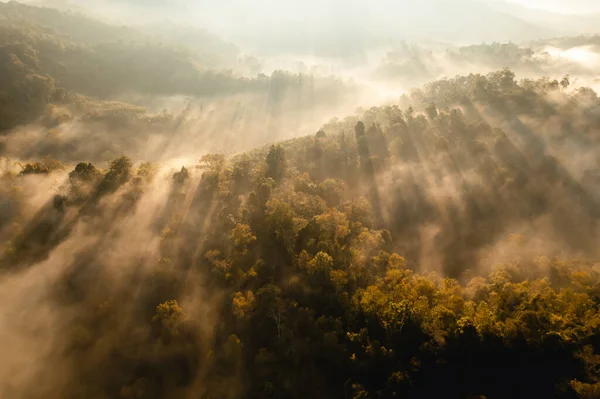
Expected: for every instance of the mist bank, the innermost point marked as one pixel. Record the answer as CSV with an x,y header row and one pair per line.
x,y
176,127
97,90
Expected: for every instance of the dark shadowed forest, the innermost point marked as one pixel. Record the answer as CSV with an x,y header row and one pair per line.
x,y
168,229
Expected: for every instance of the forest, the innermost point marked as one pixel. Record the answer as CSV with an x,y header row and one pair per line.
x,y
441,244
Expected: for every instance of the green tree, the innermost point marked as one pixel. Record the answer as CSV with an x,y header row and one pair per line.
x,y
276,163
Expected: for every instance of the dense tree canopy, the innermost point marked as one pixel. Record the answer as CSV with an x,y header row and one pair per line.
x,y
397,253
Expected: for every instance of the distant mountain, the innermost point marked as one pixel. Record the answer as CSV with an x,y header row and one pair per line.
x,y
465,21
339,28
566,24
71,22
354,25
199,40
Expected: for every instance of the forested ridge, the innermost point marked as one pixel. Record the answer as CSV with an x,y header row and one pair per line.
x,y
358,262
443,245
52,60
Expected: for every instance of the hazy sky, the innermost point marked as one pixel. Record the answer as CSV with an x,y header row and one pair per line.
x,y
565,6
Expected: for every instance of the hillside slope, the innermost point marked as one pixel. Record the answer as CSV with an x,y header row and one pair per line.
x,y
53,58
322,266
